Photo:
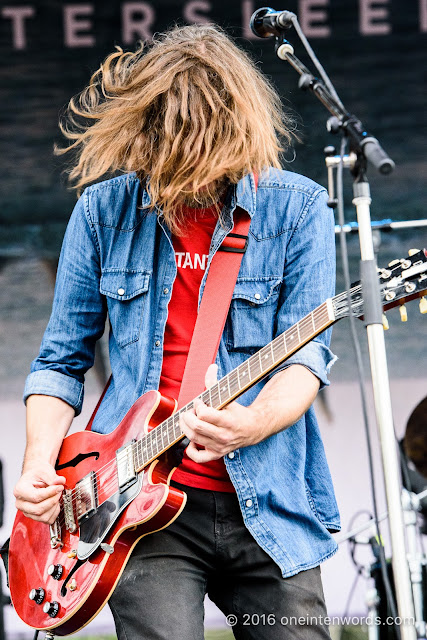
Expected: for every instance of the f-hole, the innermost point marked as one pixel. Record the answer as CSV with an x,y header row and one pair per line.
x,y
70,575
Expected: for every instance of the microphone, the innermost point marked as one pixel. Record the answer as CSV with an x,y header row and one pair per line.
x,y
266,22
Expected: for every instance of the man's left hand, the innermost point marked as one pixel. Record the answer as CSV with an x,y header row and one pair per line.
x,y
280,403
220,432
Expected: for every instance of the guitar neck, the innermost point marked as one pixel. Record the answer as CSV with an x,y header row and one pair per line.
x,y
239,380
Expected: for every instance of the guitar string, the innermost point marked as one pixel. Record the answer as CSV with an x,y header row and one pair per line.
x,y
214,393
271,346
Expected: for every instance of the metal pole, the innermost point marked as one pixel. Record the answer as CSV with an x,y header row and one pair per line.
x,y
383,225
382,399
415,558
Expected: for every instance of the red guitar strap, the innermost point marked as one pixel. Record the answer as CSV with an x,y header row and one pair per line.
x,y
213,310
101,398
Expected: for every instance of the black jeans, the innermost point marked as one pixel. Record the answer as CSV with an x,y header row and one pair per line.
x,y
208,549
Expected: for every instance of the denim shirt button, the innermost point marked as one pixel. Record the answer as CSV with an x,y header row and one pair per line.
x,y
121,291
157,343
249,503
257,296
231,455
165,290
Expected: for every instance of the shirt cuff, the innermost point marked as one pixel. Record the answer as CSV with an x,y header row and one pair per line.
x,y
316,357
47,382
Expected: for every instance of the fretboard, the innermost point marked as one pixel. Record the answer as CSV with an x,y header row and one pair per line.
x,y
239,380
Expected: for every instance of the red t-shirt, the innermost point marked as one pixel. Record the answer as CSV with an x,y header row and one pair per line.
x,y
191,254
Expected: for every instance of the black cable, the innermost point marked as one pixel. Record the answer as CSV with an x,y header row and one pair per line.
x,y
36,635
316,61
352,541
361,376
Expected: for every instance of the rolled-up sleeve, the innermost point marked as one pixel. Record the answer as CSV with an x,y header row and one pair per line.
x,y
78,316
48,382
309,279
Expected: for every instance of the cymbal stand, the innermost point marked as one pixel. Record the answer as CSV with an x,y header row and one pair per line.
x,y
411,505
372,600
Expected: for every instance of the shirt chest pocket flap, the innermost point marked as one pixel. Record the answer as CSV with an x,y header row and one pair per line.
x,y
126,294
251,320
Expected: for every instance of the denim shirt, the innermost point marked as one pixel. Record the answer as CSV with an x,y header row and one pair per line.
x,y
117,256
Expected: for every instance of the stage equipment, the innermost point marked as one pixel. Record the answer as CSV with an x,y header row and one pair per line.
x,y
365,148
266,23
379,613
414,503
382,225
414,452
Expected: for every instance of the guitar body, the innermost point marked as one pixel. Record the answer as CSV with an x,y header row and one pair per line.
x,y
148,505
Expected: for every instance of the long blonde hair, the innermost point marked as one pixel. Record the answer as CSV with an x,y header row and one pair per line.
x,y
188,114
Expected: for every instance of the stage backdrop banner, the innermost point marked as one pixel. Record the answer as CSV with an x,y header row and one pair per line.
x,y
374,51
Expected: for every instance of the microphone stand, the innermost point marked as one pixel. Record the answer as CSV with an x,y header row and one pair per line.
x,y
367,148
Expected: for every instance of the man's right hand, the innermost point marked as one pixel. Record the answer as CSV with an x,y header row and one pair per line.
x,y
39,489
38,492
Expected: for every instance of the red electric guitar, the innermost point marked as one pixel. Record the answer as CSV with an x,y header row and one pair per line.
x,y
117,485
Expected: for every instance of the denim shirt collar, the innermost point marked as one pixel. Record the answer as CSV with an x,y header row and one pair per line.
x,y
243,195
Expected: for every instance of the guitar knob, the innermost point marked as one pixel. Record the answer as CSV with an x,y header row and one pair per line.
x,y
37,595
51,608
385,323
403,313
423,305
412,252
55,571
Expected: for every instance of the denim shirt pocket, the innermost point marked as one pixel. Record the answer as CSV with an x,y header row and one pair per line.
x,y
126,293
250,322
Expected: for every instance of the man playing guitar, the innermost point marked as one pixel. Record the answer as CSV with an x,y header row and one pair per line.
x,y
189,123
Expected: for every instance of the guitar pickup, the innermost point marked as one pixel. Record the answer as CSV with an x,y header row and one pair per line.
x,y
126,473
86,496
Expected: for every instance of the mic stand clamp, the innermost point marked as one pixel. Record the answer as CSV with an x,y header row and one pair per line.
x,y
332,162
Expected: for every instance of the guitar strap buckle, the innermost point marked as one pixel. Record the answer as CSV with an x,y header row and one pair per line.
x,y
234,243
